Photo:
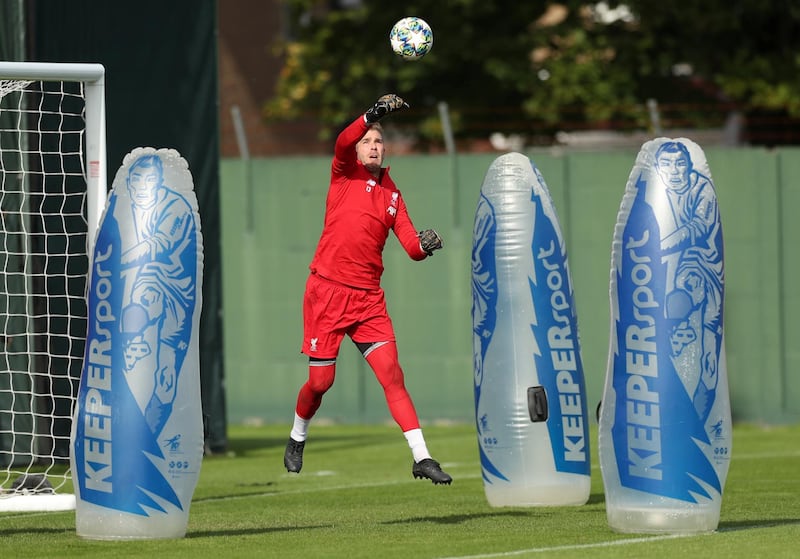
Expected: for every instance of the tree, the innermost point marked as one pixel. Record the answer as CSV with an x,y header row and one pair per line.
x,y
534,67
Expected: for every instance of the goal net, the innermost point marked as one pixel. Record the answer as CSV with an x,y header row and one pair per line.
x,y
52,191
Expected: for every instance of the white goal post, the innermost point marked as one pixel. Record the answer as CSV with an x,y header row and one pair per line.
x,y
52,195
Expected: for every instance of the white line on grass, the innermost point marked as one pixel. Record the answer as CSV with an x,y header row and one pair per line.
x,y
615,543
608,543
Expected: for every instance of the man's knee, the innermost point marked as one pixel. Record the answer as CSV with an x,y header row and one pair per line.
x,y
321,373
386,366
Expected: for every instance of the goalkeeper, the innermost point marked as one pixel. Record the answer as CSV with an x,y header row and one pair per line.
x,y
343,294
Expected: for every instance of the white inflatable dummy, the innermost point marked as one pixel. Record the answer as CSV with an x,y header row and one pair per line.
x,y
530,400
137,435
665,420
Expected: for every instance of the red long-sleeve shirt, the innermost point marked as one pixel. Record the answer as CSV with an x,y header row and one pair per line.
x,y
359,212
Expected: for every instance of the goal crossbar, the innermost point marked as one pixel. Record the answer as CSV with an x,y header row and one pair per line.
x,y
52,71
93,77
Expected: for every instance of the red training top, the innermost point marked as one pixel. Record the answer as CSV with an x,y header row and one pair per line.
x,y
359,212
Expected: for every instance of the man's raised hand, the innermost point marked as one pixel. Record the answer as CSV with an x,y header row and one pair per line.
x,y
383,106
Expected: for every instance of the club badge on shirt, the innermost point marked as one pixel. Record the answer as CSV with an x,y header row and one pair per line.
x,y
392,209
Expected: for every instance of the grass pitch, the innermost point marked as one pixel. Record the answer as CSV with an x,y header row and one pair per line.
x,y
356,498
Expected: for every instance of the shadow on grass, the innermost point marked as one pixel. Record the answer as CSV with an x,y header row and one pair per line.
x,y
8,532
459,518
522,512
751,524
253,531
596,499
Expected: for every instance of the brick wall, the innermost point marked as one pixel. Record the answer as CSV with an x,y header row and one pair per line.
x,y
248,75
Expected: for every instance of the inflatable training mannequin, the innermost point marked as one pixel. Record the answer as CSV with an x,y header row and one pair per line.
x,y
665,421
137,436
530,400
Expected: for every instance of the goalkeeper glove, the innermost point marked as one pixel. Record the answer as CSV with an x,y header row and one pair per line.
x,y
383,106
429,240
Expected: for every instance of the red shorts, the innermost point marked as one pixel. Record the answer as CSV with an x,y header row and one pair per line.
x,y
331,310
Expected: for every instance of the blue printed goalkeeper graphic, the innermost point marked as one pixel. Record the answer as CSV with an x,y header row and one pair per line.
x,y
161,269
691,245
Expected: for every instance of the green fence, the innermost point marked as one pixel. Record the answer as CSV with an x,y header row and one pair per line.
x,y
272,213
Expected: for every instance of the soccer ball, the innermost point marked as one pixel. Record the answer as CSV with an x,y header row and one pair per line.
x,y
411,38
